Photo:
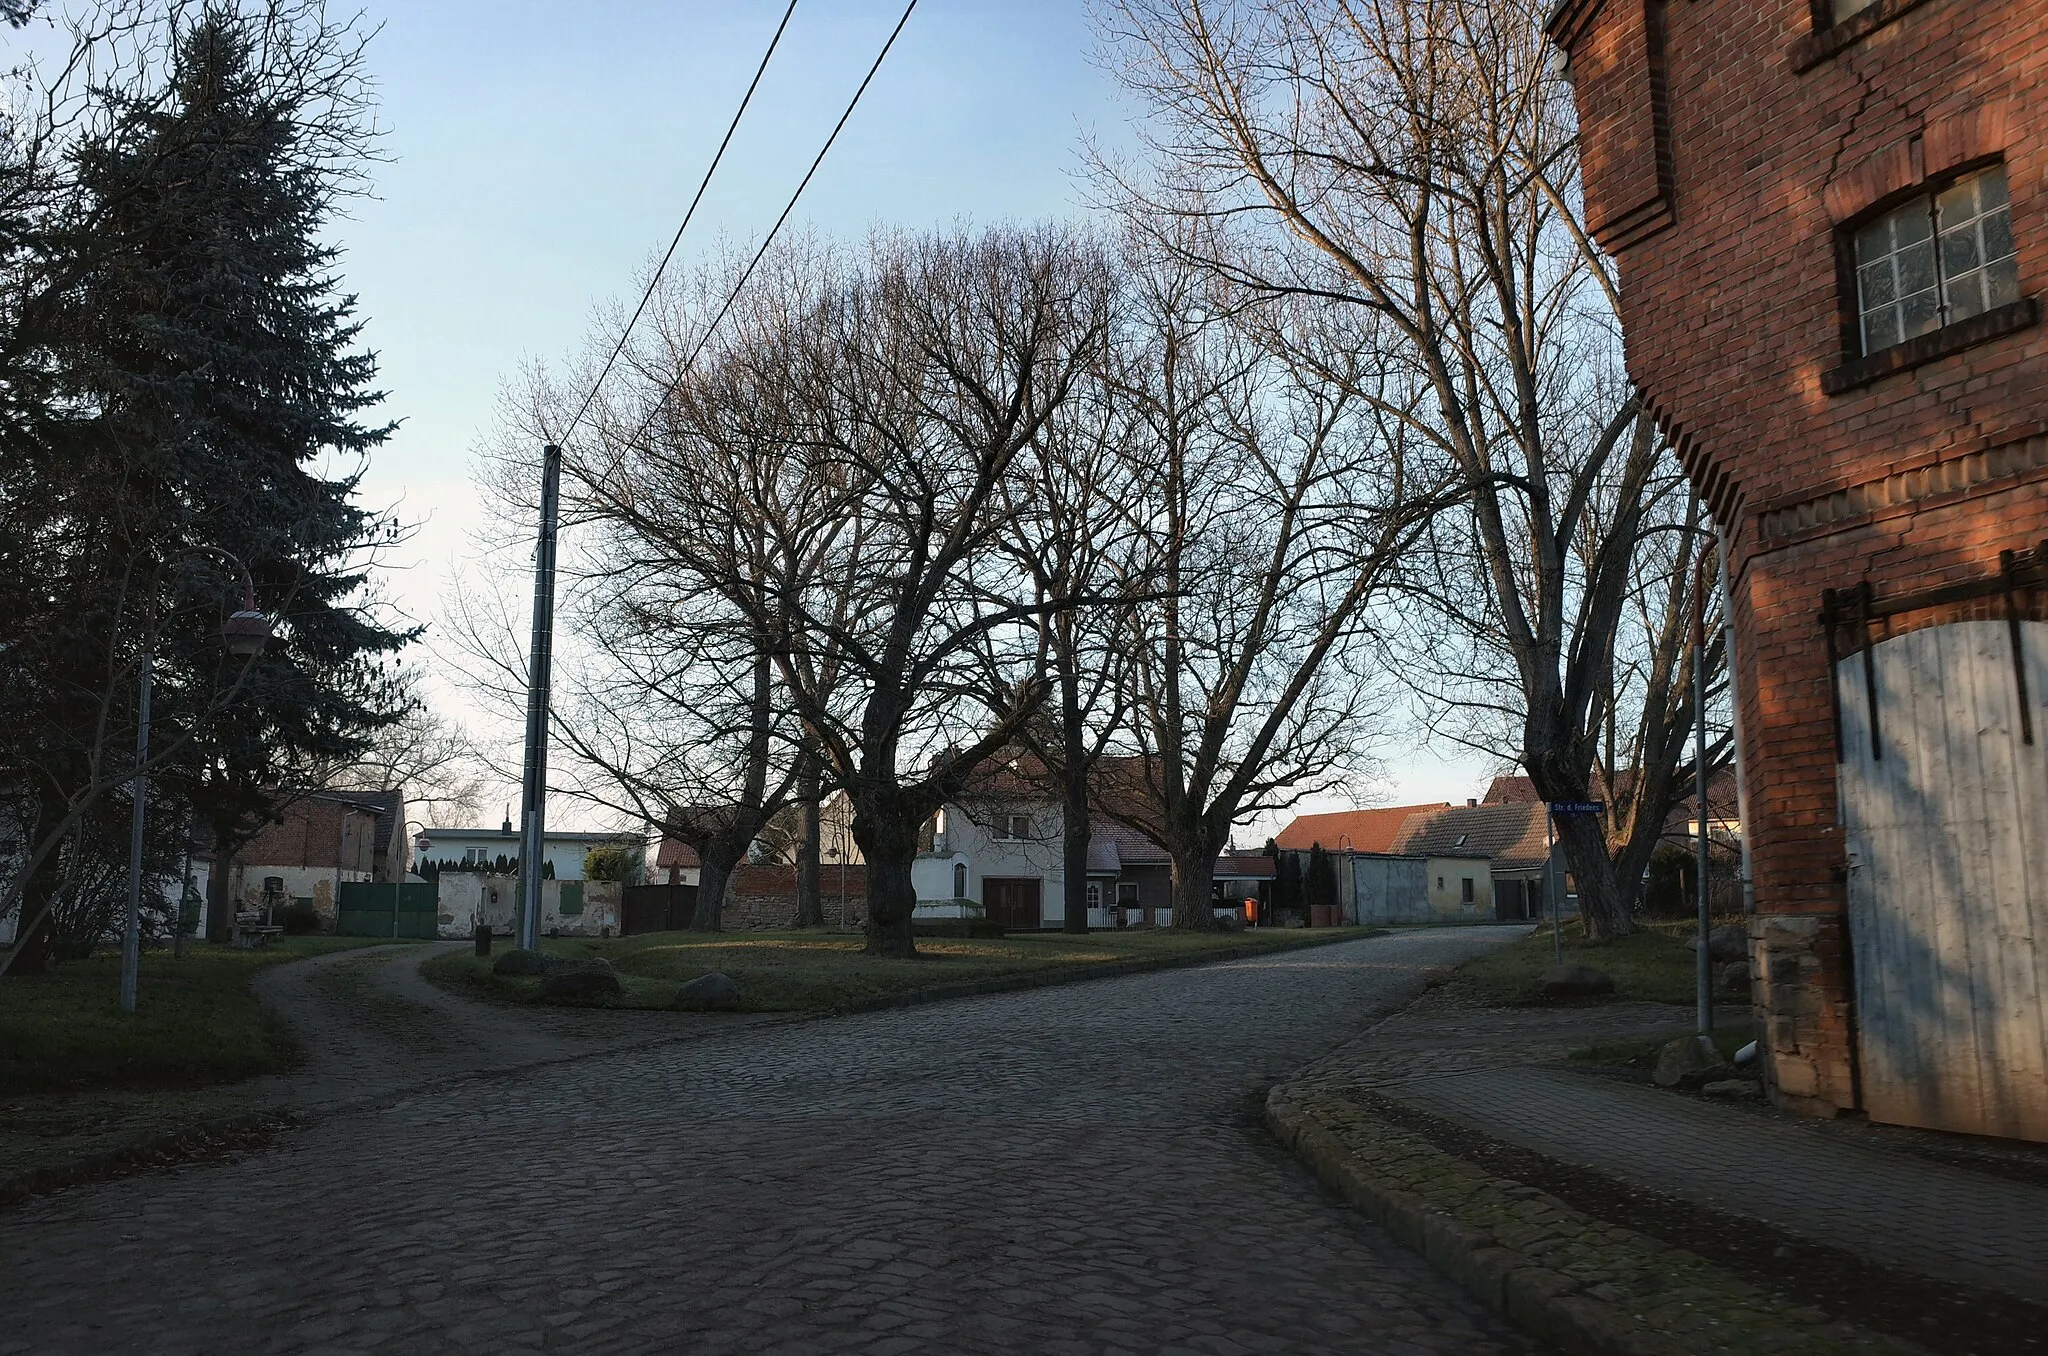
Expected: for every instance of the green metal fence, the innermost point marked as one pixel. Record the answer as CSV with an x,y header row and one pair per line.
x,y
389,910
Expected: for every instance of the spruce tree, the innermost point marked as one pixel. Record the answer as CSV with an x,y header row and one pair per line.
x,y
222,364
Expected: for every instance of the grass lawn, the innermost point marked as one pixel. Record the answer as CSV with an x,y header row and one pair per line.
x,y
811,972
1733,1029
79,1078
196,1022
1653,965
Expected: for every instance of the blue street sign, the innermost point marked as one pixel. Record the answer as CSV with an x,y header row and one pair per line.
x,y
1577,807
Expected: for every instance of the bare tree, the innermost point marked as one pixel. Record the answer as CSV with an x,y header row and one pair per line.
x,y
1284,510
1414,161
838,470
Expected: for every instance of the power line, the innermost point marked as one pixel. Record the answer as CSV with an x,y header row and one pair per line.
x,y
648,293
769,239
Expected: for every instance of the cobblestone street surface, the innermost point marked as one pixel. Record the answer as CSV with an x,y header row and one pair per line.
x,y
1067,1170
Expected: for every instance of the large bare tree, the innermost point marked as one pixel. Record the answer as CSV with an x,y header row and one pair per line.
x,y
1286,503
1414,161
838,466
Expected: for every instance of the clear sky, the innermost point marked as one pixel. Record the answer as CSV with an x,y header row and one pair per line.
x,y
542,154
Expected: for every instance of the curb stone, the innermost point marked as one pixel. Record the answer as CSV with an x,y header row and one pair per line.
x,y
1562,1310
189,1143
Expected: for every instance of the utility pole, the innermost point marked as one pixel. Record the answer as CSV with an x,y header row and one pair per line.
x,y
1703,969
539,670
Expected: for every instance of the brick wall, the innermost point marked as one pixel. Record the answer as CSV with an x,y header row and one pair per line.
x,y
1776,138
315,833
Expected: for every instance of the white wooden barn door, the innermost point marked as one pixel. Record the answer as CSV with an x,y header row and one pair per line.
x,y
1945,820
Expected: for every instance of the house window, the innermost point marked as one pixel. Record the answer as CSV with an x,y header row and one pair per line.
x,y
1013,828
1094,894
1466,894
1439,882
1127,892
959,880
1941,258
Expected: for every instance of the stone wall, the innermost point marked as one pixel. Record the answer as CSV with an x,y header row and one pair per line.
x,y
763,898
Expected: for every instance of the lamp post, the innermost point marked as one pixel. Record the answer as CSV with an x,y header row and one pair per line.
x,y
244,634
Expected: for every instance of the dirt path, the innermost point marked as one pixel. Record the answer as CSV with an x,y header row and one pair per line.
x,y
373,1026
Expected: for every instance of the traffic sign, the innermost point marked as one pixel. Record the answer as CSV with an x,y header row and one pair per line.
x,y
1577,807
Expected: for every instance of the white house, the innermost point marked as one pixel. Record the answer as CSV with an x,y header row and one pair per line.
x,y
479,848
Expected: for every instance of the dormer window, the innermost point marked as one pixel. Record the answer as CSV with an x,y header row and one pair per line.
x,y
1936,260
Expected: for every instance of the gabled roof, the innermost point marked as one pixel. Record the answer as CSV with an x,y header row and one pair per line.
x,y
1511,835
1351,830
674,854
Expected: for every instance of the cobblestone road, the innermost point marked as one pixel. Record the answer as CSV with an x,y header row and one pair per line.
x,y
1063,1170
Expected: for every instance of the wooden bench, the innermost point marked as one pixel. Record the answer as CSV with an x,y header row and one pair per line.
x,y
252,931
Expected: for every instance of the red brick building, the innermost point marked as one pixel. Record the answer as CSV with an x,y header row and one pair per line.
x,y
1831,223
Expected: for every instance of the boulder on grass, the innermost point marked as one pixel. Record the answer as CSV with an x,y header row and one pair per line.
x,y
1725,943
1689,1062
521,963
580,981
709,993
1574,981
1735,977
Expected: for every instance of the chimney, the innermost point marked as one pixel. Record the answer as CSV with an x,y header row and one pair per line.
x,y
1471,802
506,827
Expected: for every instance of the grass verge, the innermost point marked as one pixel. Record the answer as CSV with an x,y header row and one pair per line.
x,y
83,1082
195,1020
1653,965
812,972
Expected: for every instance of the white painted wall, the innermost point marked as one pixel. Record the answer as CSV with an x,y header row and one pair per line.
x,y
565,854
961,839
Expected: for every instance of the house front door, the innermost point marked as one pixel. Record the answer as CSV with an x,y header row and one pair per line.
x,y
1014,902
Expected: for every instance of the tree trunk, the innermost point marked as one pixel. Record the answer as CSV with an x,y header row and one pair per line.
x,y
220,905
35,925
1074,848
1603,908
715,862
810,903
887,835
1194,887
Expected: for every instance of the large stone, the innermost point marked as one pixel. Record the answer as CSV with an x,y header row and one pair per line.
x,y
709,993
581,981
1735,977
521,963
1574,981
1725,943
1689,1062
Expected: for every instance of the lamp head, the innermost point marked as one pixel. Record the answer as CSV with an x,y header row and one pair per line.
x,y
245,633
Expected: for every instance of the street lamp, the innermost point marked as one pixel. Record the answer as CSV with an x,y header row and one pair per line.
x,y
244,634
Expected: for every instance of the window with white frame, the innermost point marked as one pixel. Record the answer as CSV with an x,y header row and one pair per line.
x,y
1941,258
1013,828
1127,892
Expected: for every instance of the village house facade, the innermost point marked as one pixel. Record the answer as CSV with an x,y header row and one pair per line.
x,y
1831,224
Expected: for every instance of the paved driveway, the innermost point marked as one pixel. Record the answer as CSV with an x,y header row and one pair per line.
x,y
1075,1169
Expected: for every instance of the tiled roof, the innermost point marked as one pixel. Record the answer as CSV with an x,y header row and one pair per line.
x,y
1510,835
674,854
1351,830
1246,867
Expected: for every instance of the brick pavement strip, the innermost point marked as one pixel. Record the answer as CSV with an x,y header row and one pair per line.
x,y
1587,1286
1070,1169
